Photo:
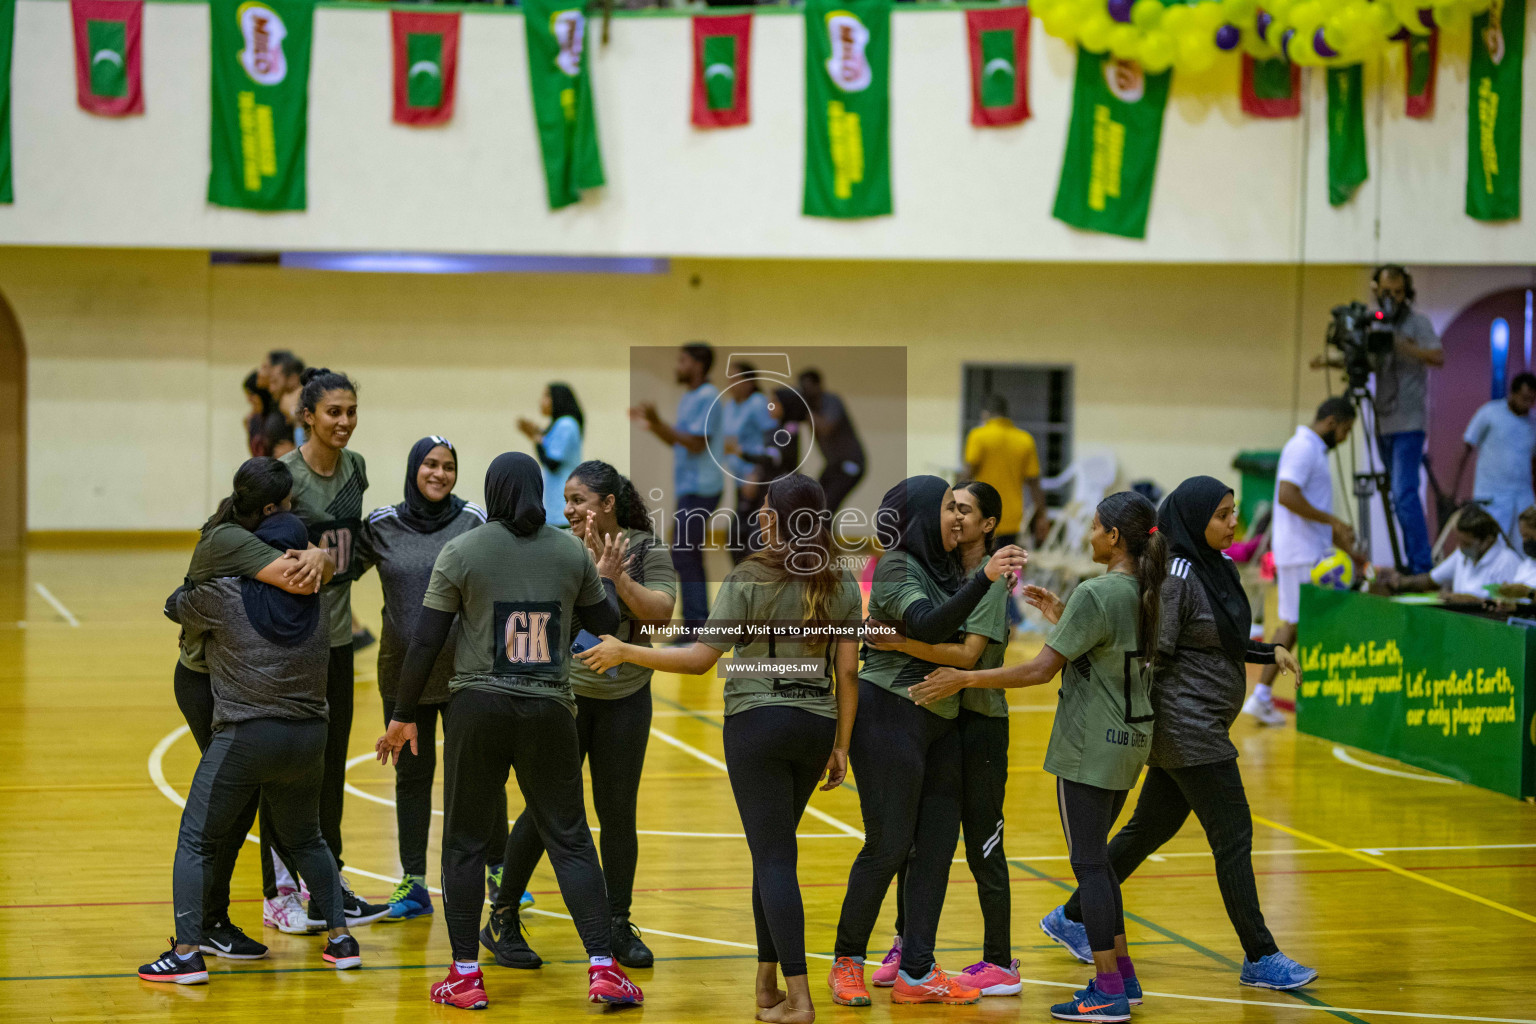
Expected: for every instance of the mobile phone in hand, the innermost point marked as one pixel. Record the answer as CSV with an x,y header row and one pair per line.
x,y
585,641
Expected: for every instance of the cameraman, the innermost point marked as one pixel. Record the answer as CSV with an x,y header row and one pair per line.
x,y
1402,386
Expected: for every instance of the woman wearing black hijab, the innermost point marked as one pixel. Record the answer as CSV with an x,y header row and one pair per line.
x,y
1197,694
520,590
403,541
906,757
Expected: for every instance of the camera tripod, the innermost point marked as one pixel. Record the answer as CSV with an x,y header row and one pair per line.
x,y
1368,485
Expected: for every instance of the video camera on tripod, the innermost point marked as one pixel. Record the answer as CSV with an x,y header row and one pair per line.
x,y
1361,334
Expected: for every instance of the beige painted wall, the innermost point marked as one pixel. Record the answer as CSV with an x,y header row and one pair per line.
x,y
135,357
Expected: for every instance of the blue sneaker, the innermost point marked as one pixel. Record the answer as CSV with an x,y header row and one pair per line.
x,y
1091,1004
1133,991
1277,971
410,899
525,900
1070,934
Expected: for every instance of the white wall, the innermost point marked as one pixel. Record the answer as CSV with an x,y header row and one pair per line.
x,y
1230,188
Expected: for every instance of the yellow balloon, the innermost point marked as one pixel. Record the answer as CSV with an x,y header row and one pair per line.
x,y
1094,33
1176,19
1157,52
1147,14
1124,42
1306,17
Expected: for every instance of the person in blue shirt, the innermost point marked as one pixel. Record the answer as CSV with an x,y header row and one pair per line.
x,y
746,420
1505,439
697,479
557,447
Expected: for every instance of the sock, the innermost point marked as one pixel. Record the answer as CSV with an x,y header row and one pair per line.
x,y
917,980
184,957
1261,691
467,966
1110,984
1127,970
600,961
338,939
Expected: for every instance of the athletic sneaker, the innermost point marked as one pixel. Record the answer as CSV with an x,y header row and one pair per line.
x,y
1264,710
627,947
357,911
934,987
1133,991
847,982
525,900
1091,1004
1070,934
363,639
993,980
492,883
172,968
229,942
410,899
342,952
466,991
286,914
1276,971
611,985
885,976
503,936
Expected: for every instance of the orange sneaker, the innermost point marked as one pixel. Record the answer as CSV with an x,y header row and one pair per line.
x,y
847,982
937,987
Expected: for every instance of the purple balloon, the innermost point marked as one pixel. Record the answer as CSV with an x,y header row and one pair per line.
x,y
1320,44
1285,42
1427,17
1262,23
1120,10
1401,35
1228,37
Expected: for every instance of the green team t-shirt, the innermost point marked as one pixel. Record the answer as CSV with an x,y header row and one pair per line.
x,y
332,510
653,570
516,599
1103,728
898,584
228,549
990,619
750,598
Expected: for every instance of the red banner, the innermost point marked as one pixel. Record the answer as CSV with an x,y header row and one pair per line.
x,y
108,78
999,45
722,70
426,50
1271,88
1421,54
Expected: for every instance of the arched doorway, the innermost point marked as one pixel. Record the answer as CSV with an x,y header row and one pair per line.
x,y
13,431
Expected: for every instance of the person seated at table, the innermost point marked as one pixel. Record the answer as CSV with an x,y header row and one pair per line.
x,y
1482,559
1524,585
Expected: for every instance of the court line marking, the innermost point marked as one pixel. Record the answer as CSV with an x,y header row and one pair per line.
x,y
1396,869
1343,755
58,606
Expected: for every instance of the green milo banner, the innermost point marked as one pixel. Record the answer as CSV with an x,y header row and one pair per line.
x,y
847,108
561,78
260,71
1445,691
1494,112
1347,167
7,34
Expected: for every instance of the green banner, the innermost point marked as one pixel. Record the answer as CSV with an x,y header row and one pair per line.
x,y
1112,143
260,65
1494,111
562,98
847,108
1347,168
425,90
108,78
720,88
7,38
1446,691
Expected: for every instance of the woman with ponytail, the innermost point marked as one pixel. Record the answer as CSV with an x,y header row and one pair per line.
x,y
1103,645
782,734
613,716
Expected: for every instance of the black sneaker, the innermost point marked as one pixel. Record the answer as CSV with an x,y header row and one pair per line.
x,y
172,968
229,942
355,909
342,952
627,947
363,639
503,936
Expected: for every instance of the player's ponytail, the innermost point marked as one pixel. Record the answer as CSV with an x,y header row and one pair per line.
x,y
1136,519
259,482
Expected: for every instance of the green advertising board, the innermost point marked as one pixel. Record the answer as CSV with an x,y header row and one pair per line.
x,y
1448,692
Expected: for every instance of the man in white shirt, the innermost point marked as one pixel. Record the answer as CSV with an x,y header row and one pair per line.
x,y
1305,528
1504,437
1481,560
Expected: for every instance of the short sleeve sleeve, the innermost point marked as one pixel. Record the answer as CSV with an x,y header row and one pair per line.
x,y
694,413
973,446
1444,573
1082,626
1030,465
362,470
990,619
1292,468
230,550
445,589
561,439
896,588
365,554
1422,332
1477,429
726,618
660,573
848,609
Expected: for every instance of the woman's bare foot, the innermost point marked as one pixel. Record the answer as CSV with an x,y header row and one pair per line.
x,y
769,994
787,1014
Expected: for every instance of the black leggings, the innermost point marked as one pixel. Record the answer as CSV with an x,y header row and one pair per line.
x,y
983,778
1215,793
612,734
413,792
1087,815
907,761
489,733
338,731
775,756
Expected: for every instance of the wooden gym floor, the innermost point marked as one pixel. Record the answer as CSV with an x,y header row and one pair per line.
x,y
1416,899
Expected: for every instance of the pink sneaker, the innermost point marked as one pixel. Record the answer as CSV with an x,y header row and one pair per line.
x,y
885,977
992,979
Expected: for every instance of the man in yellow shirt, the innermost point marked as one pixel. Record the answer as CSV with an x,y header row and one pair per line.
x,y
1000,454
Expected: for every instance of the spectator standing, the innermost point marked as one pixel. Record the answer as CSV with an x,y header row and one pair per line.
x,y
837,438
284,373
557,446
746,421
1504,438
1003,455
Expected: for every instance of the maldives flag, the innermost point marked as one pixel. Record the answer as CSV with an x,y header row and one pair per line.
x,y
1271,88
999,43
107,56
722,66
1421,53
426,66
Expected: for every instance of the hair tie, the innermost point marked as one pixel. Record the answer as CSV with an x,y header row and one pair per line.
x,y
1151,531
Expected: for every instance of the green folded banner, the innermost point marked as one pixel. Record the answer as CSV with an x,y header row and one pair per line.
x,y
1494,112
1112,143
260,132
1347,169
7,36
561,81
847,108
